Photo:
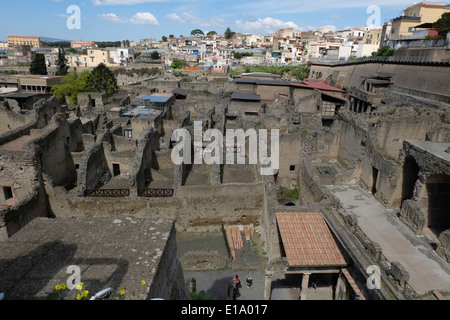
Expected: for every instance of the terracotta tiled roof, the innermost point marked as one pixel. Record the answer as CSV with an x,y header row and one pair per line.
x,y
307,240
352,283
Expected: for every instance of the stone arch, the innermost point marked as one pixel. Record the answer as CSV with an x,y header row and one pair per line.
x,y
434,201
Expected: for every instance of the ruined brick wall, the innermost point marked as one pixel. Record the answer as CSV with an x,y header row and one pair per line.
x,y
269,93
386,186
14,218
53,145
168,282
93,166
140,172
18,170
9,119
290,151
191,206
163,86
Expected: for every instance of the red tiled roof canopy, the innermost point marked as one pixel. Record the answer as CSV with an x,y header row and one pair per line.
x,y
307,240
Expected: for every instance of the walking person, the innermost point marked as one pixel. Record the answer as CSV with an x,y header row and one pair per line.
x,y
249,280
237,283
314,282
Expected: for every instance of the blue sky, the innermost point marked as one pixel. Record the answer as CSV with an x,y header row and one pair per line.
x,y
112,20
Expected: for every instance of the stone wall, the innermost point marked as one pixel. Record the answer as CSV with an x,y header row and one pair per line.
x,y
93,166
54,144
9,119
190,207
168,282
140,173
425,77
412,216
163,86
444,245
290,149
381,176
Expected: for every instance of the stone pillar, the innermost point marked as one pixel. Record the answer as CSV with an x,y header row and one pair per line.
x,y
305,281
268,286
338,290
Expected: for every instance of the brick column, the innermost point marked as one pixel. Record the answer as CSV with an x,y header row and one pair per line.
x,y
305,281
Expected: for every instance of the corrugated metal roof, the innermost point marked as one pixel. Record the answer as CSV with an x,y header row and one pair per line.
x,y
155,98
142,110
307,240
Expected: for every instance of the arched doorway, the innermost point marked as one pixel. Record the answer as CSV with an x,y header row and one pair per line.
x,y
410,176
435,203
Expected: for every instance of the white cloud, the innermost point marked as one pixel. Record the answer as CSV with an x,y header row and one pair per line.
x,y
62,15
265,26
138,18
144,18
176,18
195,20
111,17
122,2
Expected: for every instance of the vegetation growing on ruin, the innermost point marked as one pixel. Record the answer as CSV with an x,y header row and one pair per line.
x,y
100,79
72,84
287,194
240,55
177,64
137,72
300,72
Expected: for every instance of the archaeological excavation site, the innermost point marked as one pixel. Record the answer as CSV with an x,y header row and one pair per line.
x,y
357,208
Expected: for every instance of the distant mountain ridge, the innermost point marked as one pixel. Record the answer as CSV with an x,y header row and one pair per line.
x,y
47,39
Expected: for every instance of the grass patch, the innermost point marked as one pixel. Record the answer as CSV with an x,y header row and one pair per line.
x,y
287,194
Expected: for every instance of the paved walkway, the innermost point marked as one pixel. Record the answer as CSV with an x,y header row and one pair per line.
x,y
214,284
426,269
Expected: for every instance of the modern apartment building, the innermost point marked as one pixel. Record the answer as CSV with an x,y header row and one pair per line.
x,y
423,12
34,42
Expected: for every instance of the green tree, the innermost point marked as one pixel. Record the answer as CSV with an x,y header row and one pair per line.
x,y
164,38
211,33
61,63
101,79
177,64
171,36
38,65
72,84
442,25
384,51
229,34
196,32
155,55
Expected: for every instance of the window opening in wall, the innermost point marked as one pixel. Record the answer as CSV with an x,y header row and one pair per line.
x,y
8,193
116,169
128,133
374,180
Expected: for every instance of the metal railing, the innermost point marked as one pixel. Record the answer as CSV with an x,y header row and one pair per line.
x,y
155,193
113,193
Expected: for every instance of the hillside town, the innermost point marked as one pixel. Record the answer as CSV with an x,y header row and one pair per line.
x,y
295,165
